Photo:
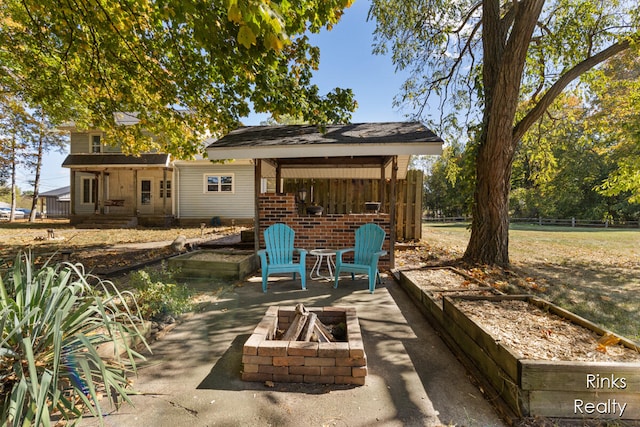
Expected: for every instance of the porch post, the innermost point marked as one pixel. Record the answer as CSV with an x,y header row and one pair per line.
x,y
278,178
96,193
73,192
135,192
392,213
104,192
164,192
257,182
381,192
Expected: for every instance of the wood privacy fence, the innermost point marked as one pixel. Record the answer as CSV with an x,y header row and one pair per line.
x,y
344,196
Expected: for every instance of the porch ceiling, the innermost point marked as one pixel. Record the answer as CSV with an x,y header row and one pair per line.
x,y
368,167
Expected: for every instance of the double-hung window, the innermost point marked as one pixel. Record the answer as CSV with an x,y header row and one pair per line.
x,y
89,189
165,185
218,184
96,146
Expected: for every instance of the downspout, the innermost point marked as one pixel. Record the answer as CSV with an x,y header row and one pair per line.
x,y
175,206
392,212
256,188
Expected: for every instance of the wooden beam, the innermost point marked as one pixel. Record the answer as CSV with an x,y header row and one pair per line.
x,y
329,162
381,192
278,178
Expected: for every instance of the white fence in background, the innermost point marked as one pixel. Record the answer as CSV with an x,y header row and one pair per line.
x,y
561,222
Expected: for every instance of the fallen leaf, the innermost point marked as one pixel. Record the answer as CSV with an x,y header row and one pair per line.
x,y
608,340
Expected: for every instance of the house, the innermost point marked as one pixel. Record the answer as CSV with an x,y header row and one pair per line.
x,y
56,203
109,188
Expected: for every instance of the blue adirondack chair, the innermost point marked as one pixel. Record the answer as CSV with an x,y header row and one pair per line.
x,y
367,251
278,255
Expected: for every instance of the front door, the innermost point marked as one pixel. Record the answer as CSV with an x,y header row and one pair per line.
x,y
146,196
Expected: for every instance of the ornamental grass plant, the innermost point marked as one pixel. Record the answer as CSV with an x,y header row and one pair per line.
x,y
53,318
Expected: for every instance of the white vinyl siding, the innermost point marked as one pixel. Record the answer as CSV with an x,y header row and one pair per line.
x,y
194,201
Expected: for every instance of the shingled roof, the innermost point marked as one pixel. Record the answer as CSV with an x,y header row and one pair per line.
x,y
357,150
115,160
358,133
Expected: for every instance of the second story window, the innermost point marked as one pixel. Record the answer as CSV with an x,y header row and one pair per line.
x,y
96,147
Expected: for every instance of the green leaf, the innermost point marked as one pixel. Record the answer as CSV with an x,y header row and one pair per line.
x,y
246,37
234,14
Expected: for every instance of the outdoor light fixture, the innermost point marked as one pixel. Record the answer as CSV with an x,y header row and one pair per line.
x,y
302,195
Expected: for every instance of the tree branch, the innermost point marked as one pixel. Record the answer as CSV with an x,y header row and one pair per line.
x,y
556,89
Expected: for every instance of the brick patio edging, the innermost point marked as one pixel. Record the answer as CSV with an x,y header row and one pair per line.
x,y
267,359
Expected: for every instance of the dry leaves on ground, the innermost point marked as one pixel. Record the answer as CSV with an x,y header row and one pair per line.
x,y
528,330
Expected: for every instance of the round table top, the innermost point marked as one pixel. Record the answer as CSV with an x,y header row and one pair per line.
x,y
322,251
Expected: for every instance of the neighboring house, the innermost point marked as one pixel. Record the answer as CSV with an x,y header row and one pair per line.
x,y
56,203
109,188
106,184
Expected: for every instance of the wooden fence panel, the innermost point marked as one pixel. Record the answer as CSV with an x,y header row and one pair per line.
x,y
344,196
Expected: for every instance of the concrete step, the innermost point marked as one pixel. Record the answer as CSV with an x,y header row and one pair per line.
x,y
109,222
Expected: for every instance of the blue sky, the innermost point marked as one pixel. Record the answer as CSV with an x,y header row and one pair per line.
x,y
346,61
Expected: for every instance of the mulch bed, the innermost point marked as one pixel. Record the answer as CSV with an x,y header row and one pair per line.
x,y
530,331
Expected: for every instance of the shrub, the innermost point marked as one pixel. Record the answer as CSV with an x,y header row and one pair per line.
x,y
158,295
52,322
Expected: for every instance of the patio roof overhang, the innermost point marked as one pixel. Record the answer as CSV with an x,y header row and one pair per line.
x,y
357,151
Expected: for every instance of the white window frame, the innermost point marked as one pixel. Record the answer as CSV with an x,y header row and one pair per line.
x,y
162,192
92,146
206,185
92,195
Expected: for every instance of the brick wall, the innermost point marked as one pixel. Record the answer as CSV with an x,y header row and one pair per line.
x,y
267,359
333,231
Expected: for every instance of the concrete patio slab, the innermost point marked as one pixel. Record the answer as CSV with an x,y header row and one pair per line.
x,y
193,377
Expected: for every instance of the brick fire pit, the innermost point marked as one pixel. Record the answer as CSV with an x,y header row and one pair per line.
x,y
267,359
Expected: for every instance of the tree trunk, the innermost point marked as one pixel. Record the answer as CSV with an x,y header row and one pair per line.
x,y
504,55
36,181
489,242
14,192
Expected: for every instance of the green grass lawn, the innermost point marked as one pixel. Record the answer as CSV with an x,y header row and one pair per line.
x,y
594,273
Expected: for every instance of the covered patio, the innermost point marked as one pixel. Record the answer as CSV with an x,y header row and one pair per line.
x,y
379,151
